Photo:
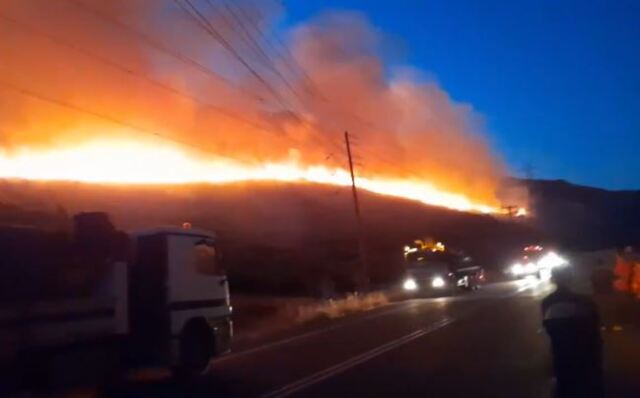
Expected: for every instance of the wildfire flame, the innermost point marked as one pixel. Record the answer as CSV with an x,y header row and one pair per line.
x,y
105,93
131,162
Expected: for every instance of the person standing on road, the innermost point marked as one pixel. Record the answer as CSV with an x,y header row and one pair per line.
x,y
572,323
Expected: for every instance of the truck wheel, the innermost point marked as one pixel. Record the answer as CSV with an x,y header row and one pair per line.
x,y
197,347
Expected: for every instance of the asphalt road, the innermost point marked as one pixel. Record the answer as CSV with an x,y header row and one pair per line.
x,y
482,344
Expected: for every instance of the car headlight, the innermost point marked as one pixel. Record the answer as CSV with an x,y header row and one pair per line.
x,y
517,269
438,281
530,268
545,274
552,260
410,284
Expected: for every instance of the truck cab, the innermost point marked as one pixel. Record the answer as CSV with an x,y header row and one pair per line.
x,y
429,279
109,301
178,298
428,272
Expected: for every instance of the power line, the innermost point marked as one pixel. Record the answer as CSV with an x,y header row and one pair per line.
x,y
386,160
65,104
115,65
261,50
293,64
390,162
145,78
204,24
72,106
218,36
246,39
208,27
124,69
111,119
202,21
150,80
158,46
253,23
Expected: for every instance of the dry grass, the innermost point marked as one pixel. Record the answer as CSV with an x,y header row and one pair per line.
x,y
338,308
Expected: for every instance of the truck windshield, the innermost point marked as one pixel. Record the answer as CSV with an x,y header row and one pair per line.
x,y
207,258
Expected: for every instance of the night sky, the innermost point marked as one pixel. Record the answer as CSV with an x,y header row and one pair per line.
x,y
558,82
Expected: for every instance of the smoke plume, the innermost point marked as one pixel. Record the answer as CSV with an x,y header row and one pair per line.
x,y
73,71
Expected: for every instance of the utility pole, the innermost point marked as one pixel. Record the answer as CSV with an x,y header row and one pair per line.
x,y
364,269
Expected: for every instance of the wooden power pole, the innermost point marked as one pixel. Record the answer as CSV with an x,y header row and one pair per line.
x,y
364,270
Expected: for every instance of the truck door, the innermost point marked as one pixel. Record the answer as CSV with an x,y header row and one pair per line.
x,y
149,320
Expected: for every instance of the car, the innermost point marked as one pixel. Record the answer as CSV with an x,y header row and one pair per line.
x,y
469,278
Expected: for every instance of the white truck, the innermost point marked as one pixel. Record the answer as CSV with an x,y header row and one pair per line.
x,y
166,306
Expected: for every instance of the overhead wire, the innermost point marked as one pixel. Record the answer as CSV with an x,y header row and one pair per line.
x,y
159,46
194,13
204,23
134,73
114,120
147,78
286,55
244,37
356,117
100,115
254,25
272,65
109,118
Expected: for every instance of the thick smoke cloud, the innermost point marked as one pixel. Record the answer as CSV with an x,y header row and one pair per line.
x,y
294,101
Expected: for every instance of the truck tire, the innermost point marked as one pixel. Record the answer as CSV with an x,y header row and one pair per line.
x,y
197,347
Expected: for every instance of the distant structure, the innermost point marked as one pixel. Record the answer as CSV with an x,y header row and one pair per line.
x,y
514,211
510,210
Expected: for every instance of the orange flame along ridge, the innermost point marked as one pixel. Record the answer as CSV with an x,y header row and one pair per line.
x,y
140,163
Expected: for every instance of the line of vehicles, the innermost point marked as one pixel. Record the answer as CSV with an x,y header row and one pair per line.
x,y
431,269
165,301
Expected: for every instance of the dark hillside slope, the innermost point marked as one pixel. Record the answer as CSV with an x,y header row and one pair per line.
x,y
274,236
584,217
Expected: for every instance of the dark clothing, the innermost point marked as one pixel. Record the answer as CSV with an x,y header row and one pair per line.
x,y
573,325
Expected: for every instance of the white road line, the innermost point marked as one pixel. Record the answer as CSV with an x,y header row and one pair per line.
x,y
302,336
331,371
396,308
354,361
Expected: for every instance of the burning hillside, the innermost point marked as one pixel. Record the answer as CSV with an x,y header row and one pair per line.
x,y
195,91
267,231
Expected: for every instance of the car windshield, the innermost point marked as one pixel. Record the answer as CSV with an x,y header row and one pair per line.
x,y
432,268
